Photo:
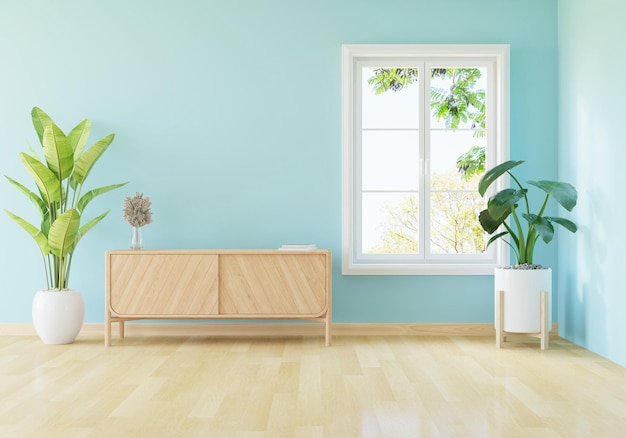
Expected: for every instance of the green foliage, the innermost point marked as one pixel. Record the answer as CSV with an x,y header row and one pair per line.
x,y
505,204
394,79
461,102
59,179
454,229
471,163
401,232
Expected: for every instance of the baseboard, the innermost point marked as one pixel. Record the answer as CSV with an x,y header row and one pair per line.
x,y
275,329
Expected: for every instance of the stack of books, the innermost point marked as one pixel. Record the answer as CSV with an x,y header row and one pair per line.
x,y
298,247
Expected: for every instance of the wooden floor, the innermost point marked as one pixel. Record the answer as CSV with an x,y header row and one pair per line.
x,y
387,386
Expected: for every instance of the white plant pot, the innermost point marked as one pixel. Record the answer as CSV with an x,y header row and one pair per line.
x,y
522,298
58,315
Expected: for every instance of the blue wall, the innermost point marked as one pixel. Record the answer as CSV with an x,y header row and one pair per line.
x,y
592,153
228,115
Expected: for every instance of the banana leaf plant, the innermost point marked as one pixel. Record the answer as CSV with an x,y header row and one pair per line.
x,y
525,228
59,199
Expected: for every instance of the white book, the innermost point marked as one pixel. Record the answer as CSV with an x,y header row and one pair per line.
x,y
298,247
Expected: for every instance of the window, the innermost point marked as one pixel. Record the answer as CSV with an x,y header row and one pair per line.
x,y
420,125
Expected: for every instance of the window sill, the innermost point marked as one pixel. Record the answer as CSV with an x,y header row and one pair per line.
x,y
417,269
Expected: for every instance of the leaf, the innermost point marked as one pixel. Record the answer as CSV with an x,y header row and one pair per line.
x,y
57,151
488,223
471,162
45,225
87,197
564,193
394,79
33,231
566,223
64,232
33,152
493,174
40,121
542,225
77,138
501,203
88,159
46,180
42,207
496,237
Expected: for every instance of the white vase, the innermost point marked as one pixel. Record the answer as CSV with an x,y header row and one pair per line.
x,y
522,298
136,239
58,315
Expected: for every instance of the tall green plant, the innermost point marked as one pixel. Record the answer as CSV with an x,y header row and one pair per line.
x,y
505,203
60,200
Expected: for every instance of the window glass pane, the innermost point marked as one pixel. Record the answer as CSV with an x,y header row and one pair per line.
x,y
454,228
390,108
457,139
390,223
390,160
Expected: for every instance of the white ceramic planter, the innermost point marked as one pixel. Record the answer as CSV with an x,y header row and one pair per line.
x,y
58,315
522,298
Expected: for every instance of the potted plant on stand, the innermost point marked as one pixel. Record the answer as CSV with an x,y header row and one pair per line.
x,y
60,177
523,282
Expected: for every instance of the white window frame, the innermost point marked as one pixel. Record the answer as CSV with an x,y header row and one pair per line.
x,y
353,55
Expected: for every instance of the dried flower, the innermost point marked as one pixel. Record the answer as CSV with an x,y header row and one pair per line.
x,y
137,210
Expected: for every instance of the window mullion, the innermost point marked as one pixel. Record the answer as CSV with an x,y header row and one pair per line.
x,y
424,207
357,162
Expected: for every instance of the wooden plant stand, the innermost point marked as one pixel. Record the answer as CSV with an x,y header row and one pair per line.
x,y
543,335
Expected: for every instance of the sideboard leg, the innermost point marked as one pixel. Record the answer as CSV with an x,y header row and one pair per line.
x,y
121,323
328,330
499,318
107,329
545,318
328,335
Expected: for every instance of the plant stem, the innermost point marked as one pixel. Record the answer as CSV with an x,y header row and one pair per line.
x,y
543,207
517,256
520,237
47,271
521,188
67,272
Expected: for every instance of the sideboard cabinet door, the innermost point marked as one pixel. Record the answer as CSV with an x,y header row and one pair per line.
x,y
273,284
163,284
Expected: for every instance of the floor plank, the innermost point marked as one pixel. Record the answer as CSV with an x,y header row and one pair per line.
x,y
362,386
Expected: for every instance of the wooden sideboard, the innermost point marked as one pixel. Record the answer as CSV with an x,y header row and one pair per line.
x,y
217,284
